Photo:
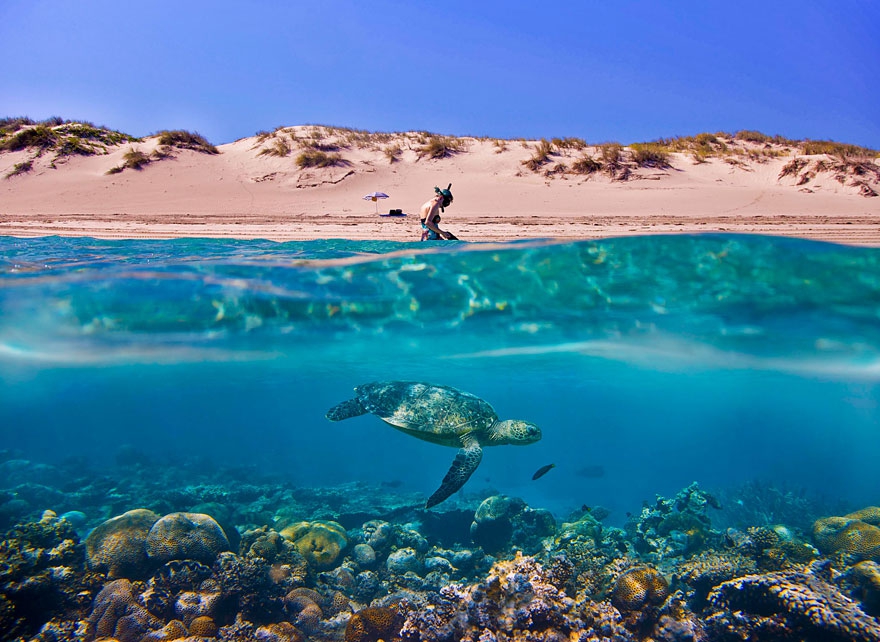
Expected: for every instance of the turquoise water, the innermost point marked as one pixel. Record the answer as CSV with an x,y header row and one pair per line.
x,y
648,362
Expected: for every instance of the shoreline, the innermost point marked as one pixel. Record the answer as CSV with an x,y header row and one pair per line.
x,y
259,187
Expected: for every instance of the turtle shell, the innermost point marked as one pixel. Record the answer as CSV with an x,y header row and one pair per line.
x,y
435,413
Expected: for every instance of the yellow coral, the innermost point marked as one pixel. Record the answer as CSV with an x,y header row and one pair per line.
x,y
371,624
639,587
320,542
186,536
845,535
869,515
203,627
117,546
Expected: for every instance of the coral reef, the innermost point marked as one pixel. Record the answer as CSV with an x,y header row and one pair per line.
x,y
502,521
42,575
118,546
319,542
185,536
373,624
803,604
674,527
638,588
359,563
847,536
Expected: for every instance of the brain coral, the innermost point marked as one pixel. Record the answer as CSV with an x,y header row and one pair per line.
x,y
117,547
186,536
869,515
845,535
639,587
116,614
320,542
372,624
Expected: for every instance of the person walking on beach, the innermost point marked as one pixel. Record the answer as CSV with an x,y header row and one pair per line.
x,y
430,215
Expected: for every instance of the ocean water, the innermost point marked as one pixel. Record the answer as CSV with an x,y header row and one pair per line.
x,y
648,362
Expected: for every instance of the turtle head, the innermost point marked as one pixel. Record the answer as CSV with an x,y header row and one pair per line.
x,y
515,432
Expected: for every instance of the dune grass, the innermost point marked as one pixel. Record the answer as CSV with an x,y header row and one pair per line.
x,y
279,147
182,139
543,150
316,158
20,168
437,147
40,137
132,159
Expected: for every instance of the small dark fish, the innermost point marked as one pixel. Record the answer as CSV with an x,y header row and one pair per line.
x,y
586,508
592,472
543,470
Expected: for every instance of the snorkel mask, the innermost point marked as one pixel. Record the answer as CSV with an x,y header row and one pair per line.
x,y
447,196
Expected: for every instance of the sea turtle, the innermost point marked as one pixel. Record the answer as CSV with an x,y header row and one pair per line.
x,y
441,415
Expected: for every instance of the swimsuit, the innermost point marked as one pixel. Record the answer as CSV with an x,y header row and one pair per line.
x,y
428,234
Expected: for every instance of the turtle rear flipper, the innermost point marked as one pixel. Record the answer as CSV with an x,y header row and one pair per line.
x,y
463,466
350,408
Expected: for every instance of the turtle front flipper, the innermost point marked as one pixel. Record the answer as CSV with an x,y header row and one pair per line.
x,y
466,461
346,409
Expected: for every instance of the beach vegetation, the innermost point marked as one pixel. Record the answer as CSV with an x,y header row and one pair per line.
x,y
132,159
9,126
437,147
135,159
392,153
183,139
279,147
840,150
569,143
500,145
650,155
20,168
793,167
316,158
750,136
543,150
74,146
162,152
39,136
586,165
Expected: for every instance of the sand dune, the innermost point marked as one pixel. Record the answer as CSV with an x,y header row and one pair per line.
x,y
259,187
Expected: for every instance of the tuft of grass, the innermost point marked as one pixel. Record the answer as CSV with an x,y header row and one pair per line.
x,y
135,159
437,147
793,167
586,165
317,158
74,146
569,143
132,159
392,153
183,139
279,147
650,155
20,168
541,156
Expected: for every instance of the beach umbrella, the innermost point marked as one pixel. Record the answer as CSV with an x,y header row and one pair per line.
x,y
375,196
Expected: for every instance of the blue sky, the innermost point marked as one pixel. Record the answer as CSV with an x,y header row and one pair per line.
x,y
602,70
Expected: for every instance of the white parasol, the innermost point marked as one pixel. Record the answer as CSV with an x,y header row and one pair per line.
x,y
375,196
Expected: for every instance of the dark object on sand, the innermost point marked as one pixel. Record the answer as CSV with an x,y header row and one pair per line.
x,y
543,470
592,472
